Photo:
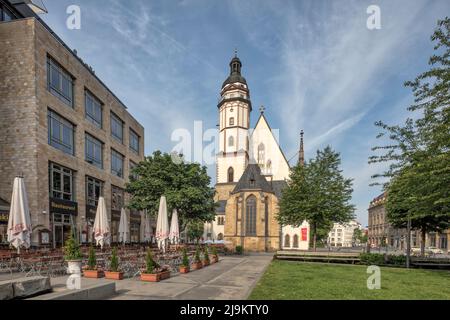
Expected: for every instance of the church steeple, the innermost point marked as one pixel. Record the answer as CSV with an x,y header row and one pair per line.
x,y
301,153
234,122
235,72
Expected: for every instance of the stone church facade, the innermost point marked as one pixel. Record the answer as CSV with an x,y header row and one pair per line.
x,y
251,172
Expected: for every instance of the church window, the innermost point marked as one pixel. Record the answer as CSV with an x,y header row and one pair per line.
x,y
220,236
230,174
287,241
269,167
231,141
261,152
295,244
250,216
232,121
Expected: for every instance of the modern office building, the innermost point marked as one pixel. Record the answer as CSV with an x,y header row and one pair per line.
x,y
63,130
341,235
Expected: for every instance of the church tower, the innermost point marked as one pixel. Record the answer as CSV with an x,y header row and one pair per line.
x,y
234,121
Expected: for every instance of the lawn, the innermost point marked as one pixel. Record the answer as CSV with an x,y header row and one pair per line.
x,y
297,280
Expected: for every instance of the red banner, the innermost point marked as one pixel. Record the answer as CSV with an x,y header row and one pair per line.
x,y
304,234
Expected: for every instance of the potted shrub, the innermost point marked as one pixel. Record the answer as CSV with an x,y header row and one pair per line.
x,y
197,264
73,255
184,268
206,260
239,250
113,273
92,271
215,256
153,271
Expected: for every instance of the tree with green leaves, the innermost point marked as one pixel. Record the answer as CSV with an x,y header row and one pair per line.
x,y
418,152
195,230
185,185
318,193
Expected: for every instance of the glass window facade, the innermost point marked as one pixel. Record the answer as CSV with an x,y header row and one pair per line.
x,y
116,163
94,151
93,108
94,189
116,127
61,182
60,133
134,141
60,83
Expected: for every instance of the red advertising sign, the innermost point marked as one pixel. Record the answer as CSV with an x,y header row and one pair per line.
x,y
304,234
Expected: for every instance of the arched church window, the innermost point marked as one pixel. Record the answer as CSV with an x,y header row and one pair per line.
x,y
287,241
220,236
250,216
232,121
230,174
231,141
261,154
295,244
269,167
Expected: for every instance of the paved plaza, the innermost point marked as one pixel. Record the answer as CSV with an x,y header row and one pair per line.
x,y
233,277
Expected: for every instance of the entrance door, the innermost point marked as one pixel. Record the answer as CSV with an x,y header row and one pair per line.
x,y
58,234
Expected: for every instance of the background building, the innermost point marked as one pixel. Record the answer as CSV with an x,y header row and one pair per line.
x,y
341,235
381,233
63,130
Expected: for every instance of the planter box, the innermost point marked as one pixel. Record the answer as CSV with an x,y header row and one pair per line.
x,y
165,275
93,274
205,263
114,275
155,277
184,269
196,266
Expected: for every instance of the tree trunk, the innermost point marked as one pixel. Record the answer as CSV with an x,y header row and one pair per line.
x,y
314,237
422,243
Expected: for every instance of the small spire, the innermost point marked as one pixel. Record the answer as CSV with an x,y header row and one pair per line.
x,y
235,52
301,153
262,109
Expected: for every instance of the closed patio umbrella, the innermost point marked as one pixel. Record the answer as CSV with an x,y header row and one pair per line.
x,y
19,222
102,232
124,231
174,235
162,225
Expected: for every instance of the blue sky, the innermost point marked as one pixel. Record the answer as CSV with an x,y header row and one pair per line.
x,y
313,64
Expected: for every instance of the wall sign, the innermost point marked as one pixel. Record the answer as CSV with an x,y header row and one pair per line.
x,y
63,206
4,216
304,234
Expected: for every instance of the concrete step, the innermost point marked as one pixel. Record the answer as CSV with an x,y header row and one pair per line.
x,y
21,288
97,291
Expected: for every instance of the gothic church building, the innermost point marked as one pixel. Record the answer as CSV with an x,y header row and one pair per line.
x,y
251,172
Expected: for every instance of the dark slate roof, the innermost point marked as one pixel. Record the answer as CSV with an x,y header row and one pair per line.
x,y
234,77
221,208
278,186
252,173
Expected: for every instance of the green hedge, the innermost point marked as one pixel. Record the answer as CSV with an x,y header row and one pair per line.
x,y
382,259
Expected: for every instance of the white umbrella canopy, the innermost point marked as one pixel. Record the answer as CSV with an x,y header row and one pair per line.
x,y
147,229
124,231
19,222
162,225
101,226
174,235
